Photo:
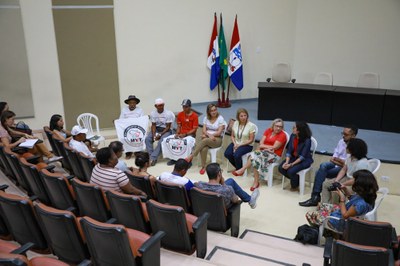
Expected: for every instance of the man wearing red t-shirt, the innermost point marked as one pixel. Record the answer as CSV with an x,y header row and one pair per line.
x,y
187,124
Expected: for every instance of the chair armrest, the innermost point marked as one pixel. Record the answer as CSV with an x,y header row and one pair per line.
x,y
111,221
71,209
328,251
85,263
23,249
50,168
200,234
150,249
33,159
395,240
3,187
33,197
234,218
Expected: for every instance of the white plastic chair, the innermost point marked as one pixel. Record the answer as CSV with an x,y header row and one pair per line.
x,y
85,121
270,173
323,78
368,80
373,215
281,73
213,152
374,164
302,173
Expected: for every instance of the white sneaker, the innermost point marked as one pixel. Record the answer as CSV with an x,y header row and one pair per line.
x,y
254,197
54,159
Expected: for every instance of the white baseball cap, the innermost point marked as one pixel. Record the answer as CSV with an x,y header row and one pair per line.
x,y
78,130
158,101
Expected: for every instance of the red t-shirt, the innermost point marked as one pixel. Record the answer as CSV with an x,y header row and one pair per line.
x,y
187,122
270,140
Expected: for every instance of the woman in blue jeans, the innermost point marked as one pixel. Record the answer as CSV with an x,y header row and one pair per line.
x,y
298,154
242,136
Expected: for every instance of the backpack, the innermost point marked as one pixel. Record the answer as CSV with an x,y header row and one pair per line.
x,y
307,234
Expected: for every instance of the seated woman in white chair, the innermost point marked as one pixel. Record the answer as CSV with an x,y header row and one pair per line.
x,y
211,137
270,150
365,188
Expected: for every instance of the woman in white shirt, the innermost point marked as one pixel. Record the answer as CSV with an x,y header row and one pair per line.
x,y
213,130
243,136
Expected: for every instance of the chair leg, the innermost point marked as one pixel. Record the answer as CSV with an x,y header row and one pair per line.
x,y
302,177
270,177
283,182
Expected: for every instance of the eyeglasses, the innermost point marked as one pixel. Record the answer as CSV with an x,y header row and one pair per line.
x,y
346,134
221,170
278,126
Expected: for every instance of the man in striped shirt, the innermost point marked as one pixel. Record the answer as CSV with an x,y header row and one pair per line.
x,y
108,177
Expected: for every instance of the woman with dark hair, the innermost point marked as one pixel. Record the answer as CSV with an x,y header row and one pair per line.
x,y
357,151
211,137
365,187
142,161
298,154
7,134
57,127
242,136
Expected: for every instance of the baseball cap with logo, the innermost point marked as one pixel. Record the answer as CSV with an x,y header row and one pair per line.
x,y
186,102
78,130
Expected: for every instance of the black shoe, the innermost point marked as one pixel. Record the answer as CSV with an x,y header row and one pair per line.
x,y
310,202
153,162
171,162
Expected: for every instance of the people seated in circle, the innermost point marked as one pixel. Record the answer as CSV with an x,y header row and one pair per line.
x,y
161,121
355,202
228,189
11,138
332,168
211,137
270,150
177,176
108,177
242,136
298,154
356,160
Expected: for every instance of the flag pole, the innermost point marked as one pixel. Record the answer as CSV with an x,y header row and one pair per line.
x,y
219,99
227,103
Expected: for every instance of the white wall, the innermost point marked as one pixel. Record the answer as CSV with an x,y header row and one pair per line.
x,y
163,50
38,25
348,38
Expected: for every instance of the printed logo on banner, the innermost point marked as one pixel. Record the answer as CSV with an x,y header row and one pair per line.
x,y
177,147
134,135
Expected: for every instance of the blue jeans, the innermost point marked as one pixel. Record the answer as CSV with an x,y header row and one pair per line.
x,y
154,153
235,158
238,190
326,170
291,173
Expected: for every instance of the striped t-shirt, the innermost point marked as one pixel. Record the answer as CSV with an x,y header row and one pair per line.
x,y
108,178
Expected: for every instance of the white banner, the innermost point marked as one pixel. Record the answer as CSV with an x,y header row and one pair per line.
x,y
176,148
132,132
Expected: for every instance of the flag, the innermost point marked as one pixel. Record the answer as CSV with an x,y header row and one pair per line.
x,y
223,54
213,56
235,69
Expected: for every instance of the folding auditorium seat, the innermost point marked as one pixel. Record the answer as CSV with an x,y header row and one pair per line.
x,y
185,233
142,183
173,194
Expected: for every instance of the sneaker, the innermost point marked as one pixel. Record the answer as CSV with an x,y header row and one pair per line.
x,y
153,162
254,197
54,159
171,162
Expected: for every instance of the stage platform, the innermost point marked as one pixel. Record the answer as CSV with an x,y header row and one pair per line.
x,y
381,145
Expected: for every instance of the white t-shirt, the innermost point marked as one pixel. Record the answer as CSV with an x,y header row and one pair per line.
x,y
213,127
79,146
162,119
126,113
